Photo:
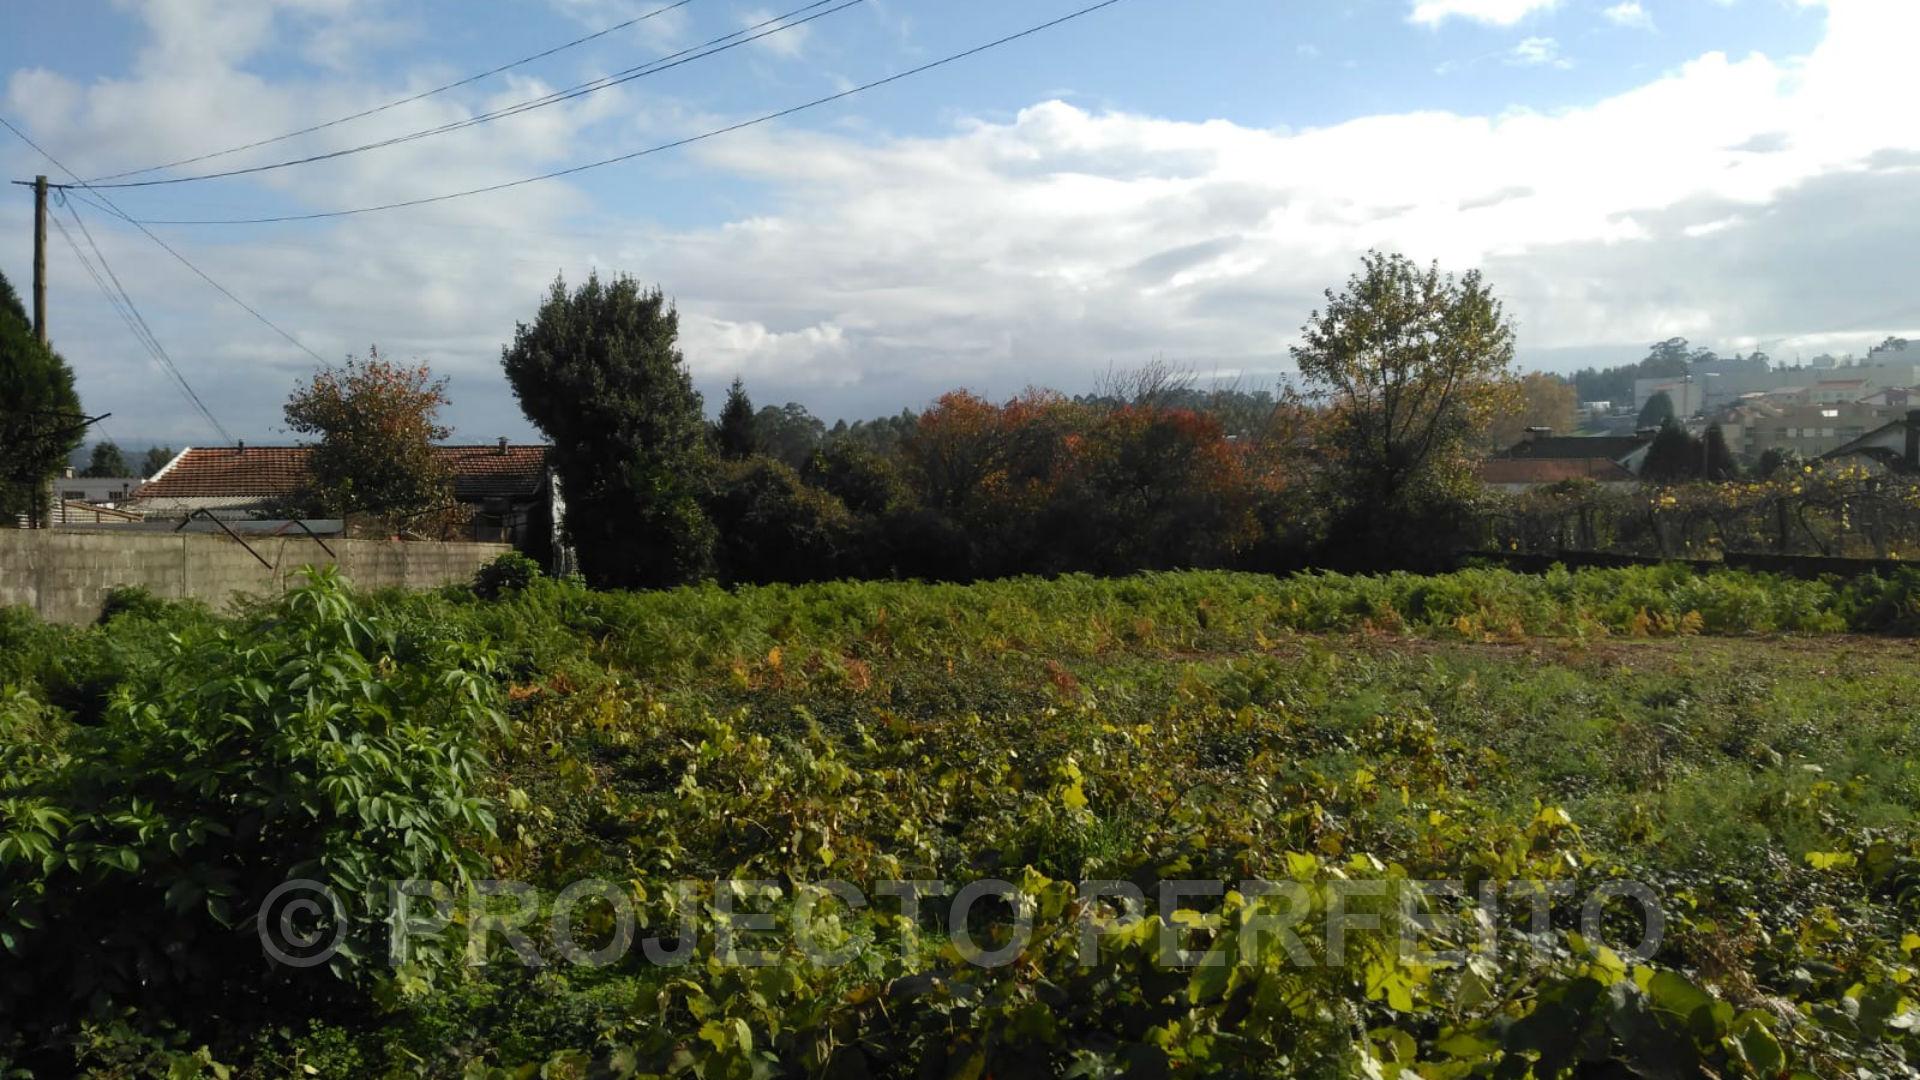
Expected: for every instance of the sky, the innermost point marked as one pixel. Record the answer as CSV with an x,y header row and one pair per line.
x,y
1170,180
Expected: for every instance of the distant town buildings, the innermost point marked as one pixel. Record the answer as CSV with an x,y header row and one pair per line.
x,y
1718,383
1809,428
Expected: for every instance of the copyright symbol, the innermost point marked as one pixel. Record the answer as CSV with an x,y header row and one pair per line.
x,y
302,923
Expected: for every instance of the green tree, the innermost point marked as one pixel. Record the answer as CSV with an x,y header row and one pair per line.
x,y
1674,456
107,460
40,419
1544,401
788,433
156,459
599,372
1657,412
1720,464
734,433
1778,459
376,423
867,481
10,305
773,527
1413,365
1151,488
1665,360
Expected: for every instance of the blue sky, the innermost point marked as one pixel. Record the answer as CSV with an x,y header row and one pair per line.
x,y
1161,179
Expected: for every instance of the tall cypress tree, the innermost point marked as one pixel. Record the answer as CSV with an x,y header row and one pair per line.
x,y
107,460
40,419
734,433
1674,456
1657,411
599,372
1720,462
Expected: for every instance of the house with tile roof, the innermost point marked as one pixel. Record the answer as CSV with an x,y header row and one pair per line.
x,y
1516,475
1541,458
509,487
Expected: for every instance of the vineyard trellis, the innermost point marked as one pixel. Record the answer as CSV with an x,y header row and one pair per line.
x,y
1831,511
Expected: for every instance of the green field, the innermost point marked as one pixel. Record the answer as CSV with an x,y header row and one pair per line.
x,y
1744,747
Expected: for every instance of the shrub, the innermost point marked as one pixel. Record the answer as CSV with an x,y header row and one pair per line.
x,y
510,572
309,741
775,528
1886,605
135,600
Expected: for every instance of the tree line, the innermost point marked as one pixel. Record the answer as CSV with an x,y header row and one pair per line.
x,y
1406,380
1369,463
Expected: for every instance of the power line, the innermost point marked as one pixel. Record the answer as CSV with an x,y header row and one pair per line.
x,y
651,67
123,306
402,101
110,208
675,144
134,327
119,309
139,321
113,298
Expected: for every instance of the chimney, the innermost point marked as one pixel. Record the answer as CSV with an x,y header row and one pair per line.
x,y
1913,440
503,445
240,447
67,473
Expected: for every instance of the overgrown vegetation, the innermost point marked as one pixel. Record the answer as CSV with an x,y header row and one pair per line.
x,y
161,772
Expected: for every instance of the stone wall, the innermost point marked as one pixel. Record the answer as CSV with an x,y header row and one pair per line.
x,y
65,574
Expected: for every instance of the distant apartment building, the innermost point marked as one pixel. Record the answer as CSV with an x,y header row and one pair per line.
x,y
1688,397
1837,391
1716,384
1809,428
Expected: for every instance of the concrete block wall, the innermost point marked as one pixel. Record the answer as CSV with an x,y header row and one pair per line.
x,y
65,574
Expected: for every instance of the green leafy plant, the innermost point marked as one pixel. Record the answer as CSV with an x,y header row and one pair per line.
x,y
308,741
510,572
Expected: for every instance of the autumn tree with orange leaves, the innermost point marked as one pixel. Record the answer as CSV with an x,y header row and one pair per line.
x,y
376,423
1147,487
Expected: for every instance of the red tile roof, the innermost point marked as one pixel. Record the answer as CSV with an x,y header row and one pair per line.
x,y
1552,470
479,472
1576,447
482,472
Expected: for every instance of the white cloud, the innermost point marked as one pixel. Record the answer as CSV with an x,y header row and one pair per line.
x,y
1629,14
1759,196
659,26
1493,12
789,43
1538,52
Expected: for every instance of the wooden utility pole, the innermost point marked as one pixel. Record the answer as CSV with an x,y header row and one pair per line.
x,y
40,258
